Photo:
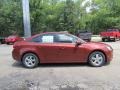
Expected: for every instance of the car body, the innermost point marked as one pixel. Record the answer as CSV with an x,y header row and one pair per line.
x,y
12,39
59,47
84,34
110,34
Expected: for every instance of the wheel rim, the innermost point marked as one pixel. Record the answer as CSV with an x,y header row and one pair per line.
x,y
97,59
30,61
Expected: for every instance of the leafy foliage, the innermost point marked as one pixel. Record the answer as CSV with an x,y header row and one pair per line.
x,y
10,17
60,15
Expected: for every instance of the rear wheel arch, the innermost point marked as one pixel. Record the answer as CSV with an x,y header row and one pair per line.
x,y
30,52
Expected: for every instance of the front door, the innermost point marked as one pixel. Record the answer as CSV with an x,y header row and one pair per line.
x,y
67,50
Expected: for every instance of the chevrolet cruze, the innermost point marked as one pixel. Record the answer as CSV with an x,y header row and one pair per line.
x,y
60,47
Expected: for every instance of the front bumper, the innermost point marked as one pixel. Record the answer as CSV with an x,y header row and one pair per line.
x,y
109,55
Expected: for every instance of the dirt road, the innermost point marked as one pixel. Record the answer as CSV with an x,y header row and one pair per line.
x,y
59,77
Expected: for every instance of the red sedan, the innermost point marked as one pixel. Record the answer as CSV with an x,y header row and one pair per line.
x,y
60,47
12,39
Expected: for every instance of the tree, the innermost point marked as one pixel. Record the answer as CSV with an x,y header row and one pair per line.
x,y
106,15
60,15
10,17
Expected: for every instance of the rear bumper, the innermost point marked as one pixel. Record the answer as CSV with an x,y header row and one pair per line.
x,y
16,55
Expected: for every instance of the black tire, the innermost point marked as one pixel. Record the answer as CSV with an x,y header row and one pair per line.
x,y
8,43
30,60
89,40
97,61
114,39
2,42
108,39
103,39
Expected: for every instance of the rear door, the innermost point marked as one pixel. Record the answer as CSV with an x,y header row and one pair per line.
x,y
47,47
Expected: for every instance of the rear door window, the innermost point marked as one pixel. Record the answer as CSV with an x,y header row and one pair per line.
x,y
46,38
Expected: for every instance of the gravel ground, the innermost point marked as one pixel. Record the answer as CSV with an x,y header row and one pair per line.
x,y
59,76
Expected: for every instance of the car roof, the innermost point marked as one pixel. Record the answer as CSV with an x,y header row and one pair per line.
x,y
51,33
61,32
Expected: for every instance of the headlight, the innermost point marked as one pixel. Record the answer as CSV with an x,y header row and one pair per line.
x,y
109,48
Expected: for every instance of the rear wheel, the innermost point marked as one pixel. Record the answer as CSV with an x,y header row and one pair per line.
x,y
30,60
96,59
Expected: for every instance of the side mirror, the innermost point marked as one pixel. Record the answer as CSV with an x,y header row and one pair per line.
x,y
78,43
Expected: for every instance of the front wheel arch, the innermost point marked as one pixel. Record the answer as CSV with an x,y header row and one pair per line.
x,y
98,51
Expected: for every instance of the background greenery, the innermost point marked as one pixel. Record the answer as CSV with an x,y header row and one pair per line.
x,y
60,15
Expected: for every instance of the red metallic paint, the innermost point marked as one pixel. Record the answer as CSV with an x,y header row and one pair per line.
x,y
60,52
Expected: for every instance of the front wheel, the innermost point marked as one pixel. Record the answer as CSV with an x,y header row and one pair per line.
x,y
96,59
30,60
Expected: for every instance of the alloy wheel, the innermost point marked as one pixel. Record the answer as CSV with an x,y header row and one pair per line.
x,y
30,60
97,59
